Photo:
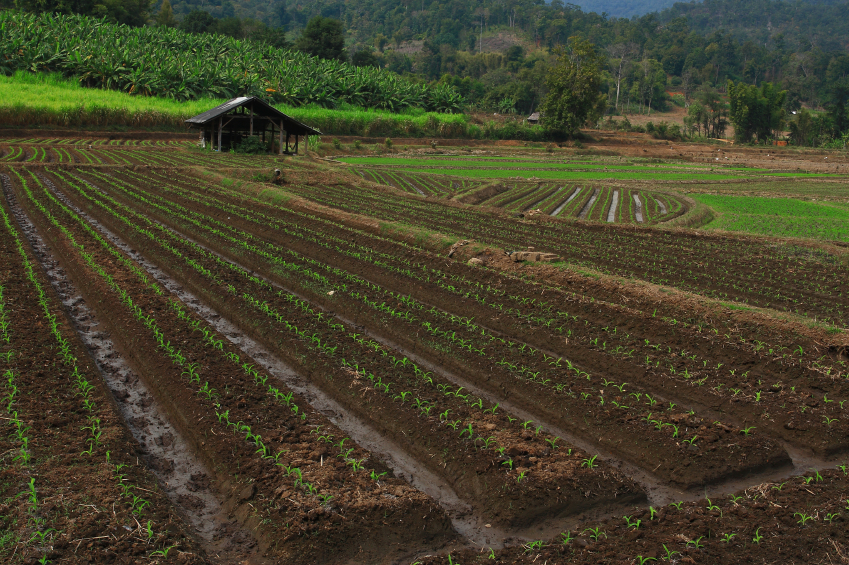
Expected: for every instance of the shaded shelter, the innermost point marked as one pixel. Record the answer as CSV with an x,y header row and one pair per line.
x,y
228,124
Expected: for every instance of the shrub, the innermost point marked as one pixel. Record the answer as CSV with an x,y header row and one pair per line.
x,y
252,145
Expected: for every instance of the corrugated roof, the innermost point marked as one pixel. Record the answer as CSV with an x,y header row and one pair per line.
x,y
265,109
218,110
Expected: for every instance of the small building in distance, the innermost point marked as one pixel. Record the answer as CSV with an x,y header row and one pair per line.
x,y
533,118
230,123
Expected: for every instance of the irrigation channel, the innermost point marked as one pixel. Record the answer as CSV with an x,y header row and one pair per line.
x,y
292,376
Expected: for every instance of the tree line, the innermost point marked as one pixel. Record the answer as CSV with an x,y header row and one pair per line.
x,y
499,53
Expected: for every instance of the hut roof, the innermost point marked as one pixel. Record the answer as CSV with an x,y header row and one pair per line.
x,y
260,108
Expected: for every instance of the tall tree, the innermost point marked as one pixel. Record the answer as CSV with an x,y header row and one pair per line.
x,y
165,17
620,57
574,88
756,112
198,21
324,38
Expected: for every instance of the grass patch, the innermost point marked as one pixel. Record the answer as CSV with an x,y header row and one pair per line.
x,y
570,175
783,217
732,306
48,99
500,163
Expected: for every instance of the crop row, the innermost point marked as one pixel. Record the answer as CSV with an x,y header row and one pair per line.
x,y
422,184
564,201
64,425
453,416
263,433
799,520
110,142
63,155
555,388
720,267
699,367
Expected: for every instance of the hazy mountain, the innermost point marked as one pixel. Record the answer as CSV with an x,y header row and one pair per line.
x,y
624,8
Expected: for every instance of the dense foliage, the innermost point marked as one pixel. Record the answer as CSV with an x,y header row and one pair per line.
x,y
756,112
323,38
573,89
174,64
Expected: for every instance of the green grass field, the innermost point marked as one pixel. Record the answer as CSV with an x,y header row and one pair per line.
x,y
657,175
783,217
28,99
487,163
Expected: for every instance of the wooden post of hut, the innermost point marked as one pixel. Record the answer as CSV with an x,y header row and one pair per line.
x,y
220,128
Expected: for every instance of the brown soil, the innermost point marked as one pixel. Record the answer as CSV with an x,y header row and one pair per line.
x,y
626,351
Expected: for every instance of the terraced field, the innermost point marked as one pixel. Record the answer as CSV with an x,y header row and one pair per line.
x,y
318,373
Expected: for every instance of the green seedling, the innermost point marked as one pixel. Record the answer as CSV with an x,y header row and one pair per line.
x,y
803,518
652,512
162,552
696,542
534,546
747,431
566,538
669,553
677,505
595,533
635,524
758,537
727,537
829,517
521,476
589,462
643,560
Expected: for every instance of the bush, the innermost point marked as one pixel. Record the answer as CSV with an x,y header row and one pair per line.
x,y
357,144
251,145
337,144
388,143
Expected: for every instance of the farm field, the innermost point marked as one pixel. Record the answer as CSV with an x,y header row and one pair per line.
x,y
341,384
779,216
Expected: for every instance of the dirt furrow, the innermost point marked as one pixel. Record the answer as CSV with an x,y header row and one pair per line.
x,y
183,476
468,524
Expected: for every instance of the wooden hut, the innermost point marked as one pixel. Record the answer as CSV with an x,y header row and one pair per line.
x,y
533,118
228,124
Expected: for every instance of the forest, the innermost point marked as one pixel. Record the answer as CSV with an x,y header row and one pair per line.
x,y
497,53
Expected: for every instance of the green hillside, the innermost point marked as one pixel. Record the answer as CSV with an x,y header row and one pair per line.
x,y
169,63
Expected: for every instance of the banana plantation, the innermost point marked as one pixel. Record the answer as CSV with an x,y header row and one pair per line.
x,y
174,64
